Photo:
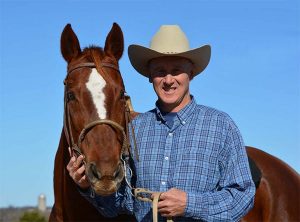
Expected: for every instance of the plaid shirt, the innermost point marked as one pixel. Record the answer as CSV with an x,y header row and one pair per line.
x,y
202,154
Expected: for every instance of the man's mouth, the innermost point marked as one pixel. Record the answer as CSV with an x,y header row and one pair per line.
x,y
169,90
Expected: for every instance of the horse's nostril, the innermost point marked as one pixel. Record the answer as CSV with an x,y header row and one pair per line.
x,y
92,172
118,171
116,174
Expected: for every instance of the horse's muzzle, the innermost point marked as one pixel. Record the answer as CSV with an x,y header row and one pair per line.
x,y
104,185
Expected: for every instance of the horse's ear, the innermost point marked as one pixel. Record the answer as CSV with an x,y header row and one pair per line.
x,y
69,44
114,43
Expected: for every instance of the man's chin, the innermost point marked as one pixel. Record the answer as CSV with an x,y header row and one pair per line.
x,y
172,103
168,105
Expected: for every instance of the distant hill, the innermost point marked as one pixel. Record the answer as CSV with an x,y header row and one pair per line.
x,y
13,214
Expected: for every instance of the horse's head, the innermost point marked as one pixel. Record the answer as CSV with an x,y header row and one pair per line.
x,y
94,119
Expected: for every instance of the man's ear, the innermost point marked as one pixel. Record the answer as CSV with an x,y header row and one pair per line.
x,y
150,78
191,76
149,73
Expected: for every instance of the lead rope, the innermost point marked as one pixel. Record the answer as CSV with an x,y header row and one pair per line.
x,y
129,122
138,193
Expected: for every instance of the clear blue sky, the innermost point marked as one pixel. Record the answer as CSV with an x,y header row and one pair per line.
x,y
254,74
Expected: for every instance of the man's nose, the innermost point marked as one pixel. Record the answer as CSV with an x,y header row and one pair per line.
x,y
169,79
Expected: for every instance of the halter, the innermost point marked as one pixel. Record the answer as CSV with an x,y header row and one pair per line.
x,y
76,147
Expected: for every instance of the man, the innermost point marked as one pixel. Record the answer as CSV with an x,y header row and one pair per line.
x,y
192,153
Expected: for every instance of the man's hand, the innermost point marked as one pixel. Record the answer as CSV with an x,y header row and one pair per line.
x,y
76,171
172,203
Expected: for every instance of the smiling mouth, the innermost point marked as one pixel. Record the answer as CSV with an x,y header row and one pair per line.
x,y
169,90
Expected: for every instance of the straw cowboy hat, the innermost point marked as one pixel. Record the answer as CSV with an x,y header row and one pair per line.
x,y
170,40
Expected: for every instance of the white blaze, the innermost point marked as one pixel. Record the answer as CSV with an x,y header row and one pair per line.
x,y
95,85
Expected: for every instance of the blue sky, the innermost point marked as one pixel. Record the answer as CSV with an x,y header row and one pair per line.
x,y
253,75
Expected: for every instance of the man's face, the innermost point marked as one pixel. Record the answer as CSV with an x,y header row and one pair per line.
x,y
171,77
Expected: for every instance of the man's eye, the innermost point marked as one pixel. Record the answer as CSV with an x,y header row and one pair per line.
x,y
177,71
161,73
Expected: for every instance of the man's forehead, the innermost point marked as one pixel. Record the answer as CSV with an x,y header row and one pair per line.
x,y
169,60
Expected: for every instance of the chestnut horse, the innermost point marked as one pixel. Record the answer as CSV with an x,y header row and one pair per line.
x,y
277,197
93,74
94,122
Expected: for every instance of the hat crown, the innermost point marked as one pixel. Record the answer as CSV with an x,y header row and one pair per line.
x,y
170,39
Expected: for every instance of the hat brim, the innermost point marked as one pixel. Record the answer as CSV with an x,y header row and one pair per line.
x,y
140,56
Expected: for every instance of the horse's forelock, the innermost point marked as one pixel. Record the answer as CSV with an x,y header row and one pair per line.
x,y
96,55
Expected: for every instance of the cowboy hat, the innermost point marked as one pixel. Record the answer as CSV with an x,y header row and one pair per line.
x,y
170,40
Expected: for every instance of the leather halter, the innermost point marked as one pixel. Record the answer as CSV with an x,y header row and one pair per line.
x,y
76,147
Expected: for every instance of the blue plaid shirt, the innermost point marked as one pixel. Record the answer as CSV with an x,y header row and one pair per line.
x,y
202,154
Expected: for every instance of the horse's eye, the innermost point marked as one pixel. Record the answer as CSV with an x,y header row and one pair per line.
x,y
122,94
70,96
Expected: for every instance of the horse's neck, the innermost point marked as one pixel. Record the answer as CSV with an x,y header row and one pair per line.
x,y
59,174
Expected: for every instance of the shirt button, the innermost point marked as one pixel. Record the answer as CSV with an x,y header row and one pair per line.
x,y
170,134
183,122
163,183
166,158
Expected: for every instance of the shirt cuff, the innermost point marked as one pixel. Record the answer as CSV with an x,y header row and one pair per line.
x,y
197,206
89,192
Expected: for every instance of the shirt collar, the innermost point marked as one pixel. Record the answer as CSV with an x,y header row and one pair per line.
x,y
182,115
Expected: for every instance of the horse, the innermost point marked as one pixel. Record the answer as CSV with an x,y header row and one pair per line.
x,y
277,196
94,125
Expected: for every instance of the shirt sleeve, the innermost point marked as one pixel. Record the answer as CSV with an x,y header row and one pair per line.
x,y
111,206
234,196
